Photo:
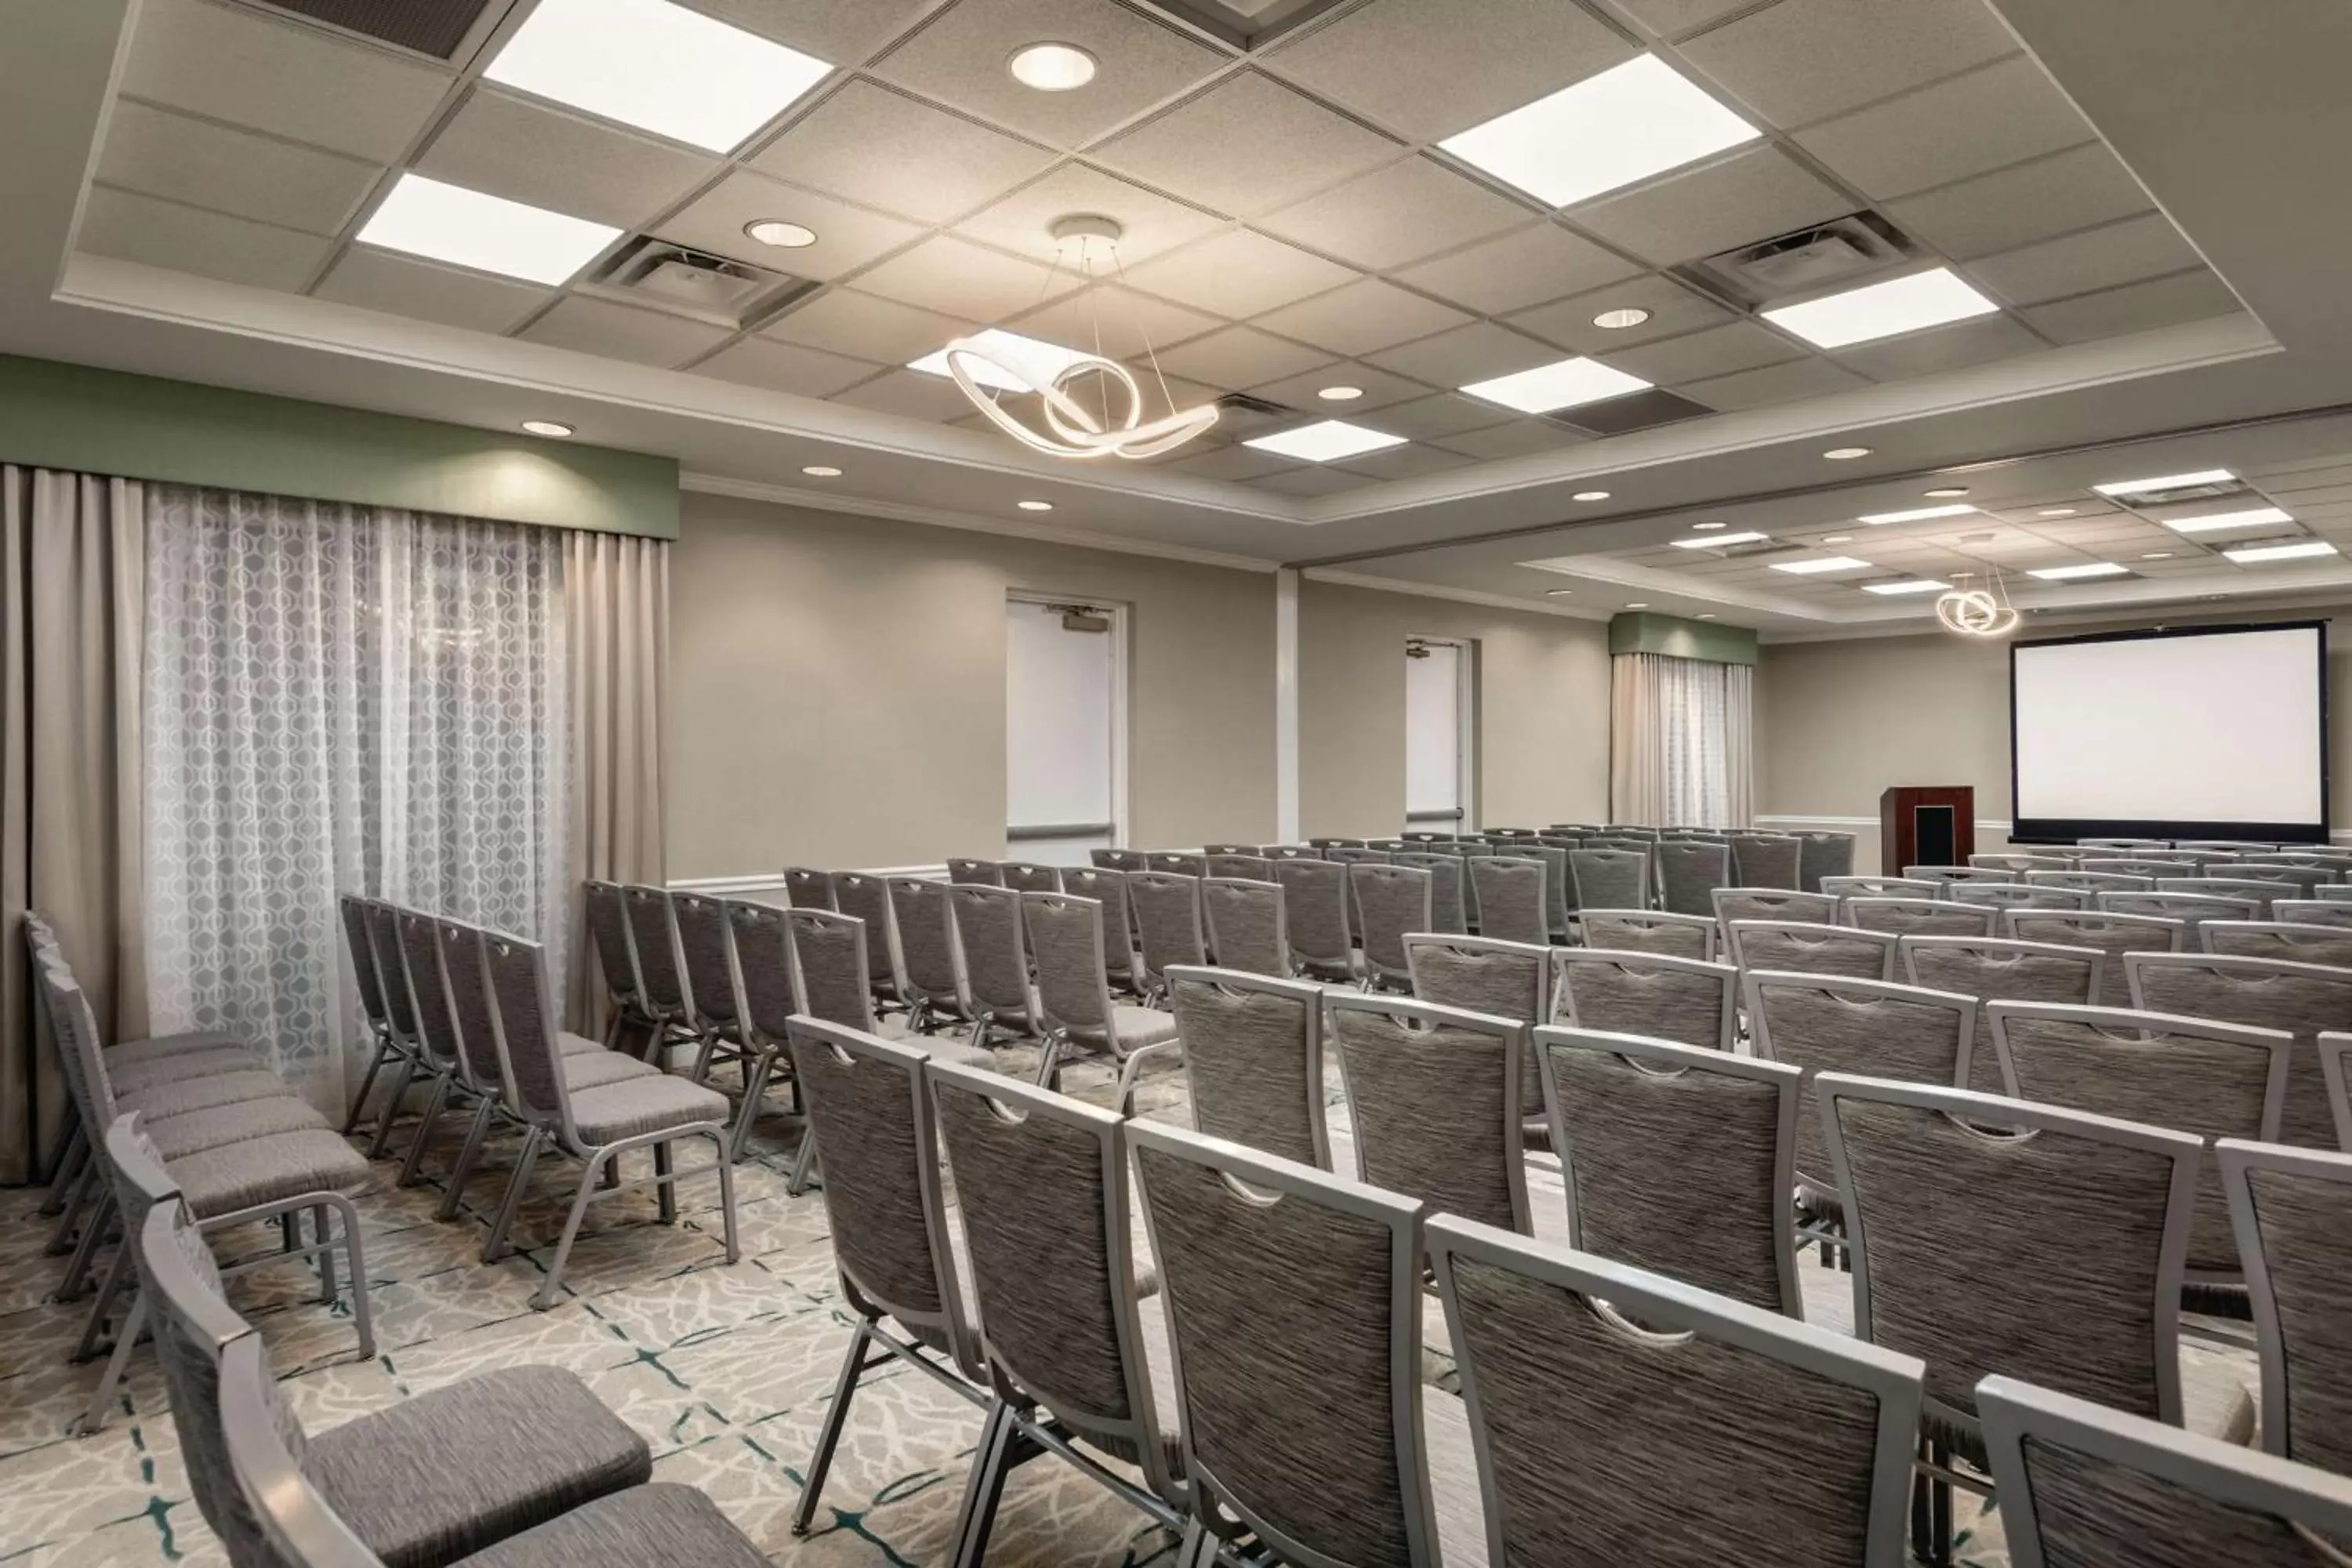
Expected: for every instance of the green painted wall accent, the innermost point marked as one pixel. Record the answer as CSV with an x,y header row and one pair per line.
x,y
1642,632
59,415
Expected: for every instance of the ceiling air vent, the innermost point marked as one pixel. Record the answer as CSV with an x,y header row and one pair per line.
x,y
2219,489
436,27
1245,23
1843,250
688,282
1635,411
1239,414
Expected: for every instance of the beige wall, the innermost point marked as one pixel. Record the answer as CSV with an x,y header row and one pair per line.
x,y
837,689
1542,725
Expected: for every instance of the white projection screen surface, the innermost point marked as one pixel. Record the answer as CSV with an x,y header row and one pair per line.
x,y
2215,732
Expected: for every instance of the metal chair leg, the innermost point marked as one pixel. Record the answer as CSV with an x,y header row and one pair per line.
x,y
85,1252
101,1398
664,1182
425,1123
401,1079
498,1245
544,1297
727,1198
991,1464
72,1158
62,1240
467,1158
853,1367
118,1274
1049,1060
326,1258
803,1163
367,1086
755,1086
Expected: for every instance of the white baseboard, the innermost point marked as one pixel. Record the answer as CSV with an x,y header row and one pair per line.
x,y
1989,824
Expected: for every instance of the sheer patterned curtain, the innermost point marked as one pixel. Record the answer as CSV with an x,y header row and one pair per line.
x,y
1681,742
342,698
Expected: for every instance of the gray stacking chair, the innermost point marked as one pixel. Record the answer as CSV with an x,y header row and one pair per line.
x,y
701,923
893,1237
2305,999
807,888
1843,888
831,969
595,1126
2018,862
2335,860
2017,895
1689,873
1992,1235
1030,876
391,1047
1610,878
1919,917
1949,874
2215,1080
2288,1206
2136,864
1802,947
1623,1109
661,971
1042,1188
1247,864
1168,925
1824,855
1466,852
1336,842
1631,830
1503,979
1229,850
457,1063
2302,878
1433,1103
1685,1000
759,974
1315,906
1307,1427
1447,886
1389,901
1623,1416
1246,929
1556,911
1765,859
2333,892
1177,863
2259,893
1290,852
605,914
1066,934
2291,941
868,898
2110,842
1513,899
1253,1059
2313,911
2113,935
1574,829
930,969
408,1058
2087,882
2083,1483
1108,889
980,873
1773,904
1996,969
1650,930
992,940
1116,859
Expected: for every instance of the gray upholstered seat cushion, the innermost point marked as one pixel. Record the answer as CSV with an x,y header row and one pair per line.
x,y
635,1106
164,1047
465,1465
594,1069
1137,1027
177,1136
944,1049
1453,1480
659,1526
157,1101
572,1045
269,1170
207,1061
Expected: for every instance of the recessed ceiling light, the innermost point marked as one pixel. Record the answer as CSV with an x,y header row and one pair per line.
x,y
1603,495
1617,320
1638,604
1625,124
2214,521
821,472
1708,617
2157,556
1945,493
1705,526
1341,393
2086,569
1917,514
1564,384
1845,454
2056,511
2166,482
2298,551
1911,585
489,234
658,66
1875,311
1039,361
1837,539
1323,442
1716,541
1036,506
1051,67
555,429
781,234
1820,563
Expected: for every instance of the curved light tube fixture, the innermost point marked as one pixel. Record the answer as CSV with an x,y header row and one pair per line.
x,y
1974,611
1072,430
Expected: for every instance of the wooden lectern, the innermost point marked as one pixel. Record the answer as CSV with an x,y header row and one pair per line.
x,y
1925,826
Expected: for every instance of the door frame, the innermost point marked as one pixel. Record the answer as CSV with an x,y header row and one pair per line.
x,y
1117,611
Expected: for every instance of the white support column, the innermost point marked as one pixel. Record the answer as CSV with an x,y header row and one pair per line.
x,y
1286,706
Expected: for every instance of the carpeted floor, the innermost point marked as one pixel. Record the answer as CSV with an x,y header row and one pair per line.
x,y
727,1370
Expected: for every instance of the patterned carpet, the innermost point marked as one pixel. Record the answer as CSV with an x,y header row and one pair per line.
x,y
726,1370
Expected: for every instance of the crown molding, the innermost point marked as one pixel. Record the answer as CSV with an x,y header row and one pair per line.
x,y
1461,595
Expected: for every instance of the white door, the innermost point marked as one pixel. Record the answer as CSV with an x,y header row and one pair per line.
x,y
1436,707
1064,732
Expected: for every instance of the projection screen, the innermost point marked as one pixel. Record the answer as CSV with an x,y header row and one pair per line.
x,y
2200,733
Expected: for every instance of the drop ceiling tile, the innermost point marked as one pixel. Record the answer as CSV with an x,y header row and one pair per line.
x,y
1673,310
1397,215
1116,321
282,76
1442,417
1313,481
1803,60
528,152
911,394
1247,145
2137,307
864,326
1238,274
1516,439
1672,18
158,154
848,237
959,278
1235,462
1479,352
825,28
1410,462
1791,383
1748,197
1362,317
189,239
621,331
2138,248
1431,68
1379,388
1239,356
1717,350
378,280
2026,203
960,60
1962,126
1022,222
785,367
1513,271
871,144
1976,341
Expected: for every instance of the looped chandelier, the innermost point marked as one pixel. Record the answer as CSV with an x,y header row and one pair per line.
x,y
1977,612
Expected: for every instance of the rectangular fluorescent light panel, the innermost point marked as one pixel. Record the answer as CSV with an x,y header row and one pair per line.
x,y
1882,309
1563,384
2296,551
1917,514
1325,441
1039,360
2214,521
1628,123
1826,563
1716,541
2088,568
2166,482
1917,585
658,66
489,234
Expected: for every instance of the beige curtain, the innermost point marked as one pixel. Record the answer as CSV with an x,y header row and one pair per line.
x,y
71,587
1739,744
1637,750
1681,742
617,625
